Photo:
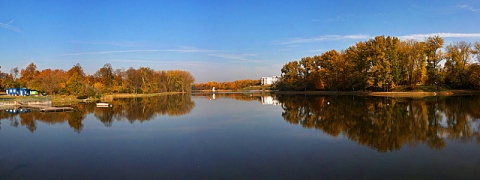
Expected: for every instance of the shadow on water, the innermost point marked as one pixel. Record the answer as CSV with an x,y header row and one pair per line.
x,y
386,124
129,109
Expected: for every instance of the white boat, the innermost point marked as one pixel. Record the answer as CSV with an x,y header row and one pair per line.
x,y
103,105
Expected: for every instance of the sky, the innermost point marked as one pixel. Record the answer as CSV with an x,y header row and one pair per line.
x,y
215,40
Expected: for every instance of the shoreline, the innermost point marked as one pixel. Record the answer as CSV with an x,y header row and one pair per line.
x,y
62,99
124,95
383,94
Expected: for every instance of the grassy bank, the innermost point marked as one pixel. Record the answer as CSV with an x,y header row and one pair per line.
x,y
109,97
61,100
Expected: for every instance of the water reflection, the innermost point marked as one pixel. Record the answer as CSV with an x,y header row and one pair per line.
x,y
130,109
237,96
384,124
387,124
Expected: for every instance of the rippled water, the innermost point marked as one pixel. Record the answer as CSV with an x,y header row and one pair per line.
x,y
245,136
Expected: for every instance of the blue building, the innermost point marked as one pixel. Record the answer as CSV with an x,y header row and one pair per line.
x,y
17,111
18,91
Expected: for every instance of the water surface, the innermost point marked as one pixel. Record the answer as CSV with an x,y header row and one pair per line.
x,y
237,136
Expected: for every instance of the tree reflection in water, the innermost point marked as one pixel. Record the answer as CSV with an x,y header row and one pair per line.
x,y
387,124
131,109
384,124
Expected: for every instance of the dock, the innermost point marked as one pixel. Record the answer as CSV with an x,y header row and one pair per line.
x,y
43,108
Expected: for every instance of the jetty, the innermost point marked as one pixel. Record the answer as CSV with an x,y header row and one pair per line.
x,y
44,108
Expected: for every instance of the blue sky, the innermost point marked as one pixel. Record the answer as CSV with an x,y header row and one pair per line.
x,y
214,40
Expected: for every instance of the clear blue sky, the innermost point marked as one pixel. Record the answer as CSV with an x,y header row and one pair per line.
x,y
214,40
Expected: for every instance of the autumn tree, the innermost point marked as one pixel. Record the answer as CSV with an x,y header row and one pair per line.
x,y
477,51
456,56
380,71
148,84
382,63
75,84
473,76
161,79
434,56
105,76
416,66
51,80
118,80
331,65
28,74
235,85
187,80
358,56
133,80
309,70
179,81
14,73
7,81
291,76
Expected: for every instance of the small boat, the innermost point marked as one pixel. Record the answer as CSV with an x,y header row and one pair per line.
x,y
103,105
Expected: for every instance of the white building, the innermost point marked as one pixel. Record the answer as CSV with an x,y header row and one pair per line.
x,y
269,80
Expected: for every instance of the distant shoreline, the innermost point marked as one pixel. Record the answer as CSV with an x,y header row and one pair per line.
x,y
126,95
110,97
354,93
384,94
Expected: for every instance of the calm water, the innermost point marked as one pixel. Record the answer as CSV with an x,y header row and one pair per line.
x,y
235,136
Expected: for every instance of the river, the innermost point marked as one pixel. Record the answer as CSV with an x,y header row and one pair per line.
x,y
246,136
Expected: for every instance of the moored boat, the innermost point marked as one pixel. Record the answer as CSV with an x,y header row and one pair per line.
x,y
103,105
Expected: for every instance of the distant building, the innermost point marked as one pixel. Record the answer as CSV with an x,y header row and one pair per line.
x,y
269,80
18,91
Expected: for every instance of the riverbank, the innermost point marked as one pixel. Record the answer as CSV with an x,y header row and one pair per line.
x,y
63,100
384,94
109,97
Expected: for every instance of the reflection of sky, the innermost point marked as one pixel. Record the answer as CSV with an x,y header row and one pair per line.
x,y
223,139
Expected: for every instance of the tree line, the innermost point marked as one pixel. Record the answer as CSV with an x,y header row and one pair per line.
x,y
235,85
382,63
105,80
